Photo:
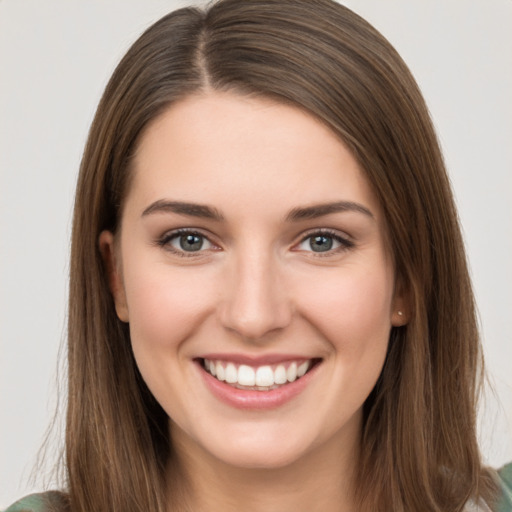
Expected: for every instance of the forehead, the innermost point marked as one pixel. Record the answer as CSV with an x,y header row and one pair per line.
x,y
226,148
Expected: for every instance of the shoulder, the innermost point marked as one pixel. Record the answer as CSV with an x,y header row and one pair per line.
x,y
51,501
505,474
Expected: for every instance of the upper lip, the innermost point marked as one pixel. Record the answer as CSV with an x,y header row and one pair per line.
x,y
251,360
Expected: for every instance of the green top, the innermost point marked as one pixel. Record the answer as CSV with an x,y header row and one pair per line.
x,y
506,484
49,501
44,502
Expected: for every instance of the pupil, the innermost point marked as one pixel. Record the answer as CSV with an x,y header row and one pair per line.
x,y
191,242
321,243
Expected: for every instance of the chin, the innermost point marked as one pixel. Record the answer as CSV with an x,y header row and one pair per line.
x,y
260,458
259,449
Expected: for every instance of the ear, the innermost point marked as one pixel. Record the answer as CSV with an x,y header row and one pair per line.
x,y
401,310
114,274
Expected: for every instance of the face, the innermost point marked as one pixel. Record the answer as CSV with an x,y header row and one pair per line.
x,y
251,265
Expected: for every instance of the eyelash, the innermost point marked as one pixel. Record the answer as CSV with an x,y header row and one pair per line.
x,y
167,238
345,243
164,242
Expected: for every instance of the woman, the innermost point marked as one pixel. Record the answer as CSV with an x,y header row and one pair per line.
x,y
269,301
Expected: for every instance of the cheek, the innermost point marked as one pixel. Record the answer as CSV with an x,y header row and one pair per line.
x,y
351,308
352,314
166,305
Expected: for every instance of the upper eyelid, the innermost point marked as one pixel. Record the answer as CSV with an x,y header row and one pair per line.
x,y
184,231
326,231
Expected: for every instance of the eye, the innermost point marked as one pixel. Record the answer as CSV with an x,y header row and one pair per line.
x,y
185,241
324,242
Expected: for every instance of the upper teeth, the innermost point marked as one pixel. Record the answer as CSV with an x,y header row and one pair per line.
x,y
261,376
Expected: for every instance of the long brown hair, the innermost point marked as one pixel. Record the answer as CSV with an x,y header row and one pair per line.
x,y
418,447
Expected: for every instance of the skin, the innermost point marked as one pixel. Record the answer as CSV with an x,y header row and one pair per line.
x,y
257,287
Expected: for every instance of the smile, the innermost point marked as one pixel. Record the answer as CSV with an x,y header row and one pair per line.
x,y
257,378
262,383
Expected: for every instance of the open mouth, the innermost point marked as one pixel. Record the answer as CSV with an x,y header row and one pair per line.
x,y
258,378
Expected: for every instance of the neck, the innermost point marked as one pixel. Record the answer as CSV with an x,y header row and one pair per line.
x,y
323,479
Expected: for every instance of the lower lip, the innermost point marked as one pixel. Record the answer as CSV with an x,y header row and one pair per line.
x,y
250,399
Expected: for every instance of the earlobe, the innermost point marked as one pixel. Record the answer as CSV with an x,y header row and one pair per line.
x,y
114,275
399,317
400,312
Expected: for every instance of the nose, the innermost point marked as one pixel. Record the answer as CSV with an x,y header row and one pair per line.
x,y
255,301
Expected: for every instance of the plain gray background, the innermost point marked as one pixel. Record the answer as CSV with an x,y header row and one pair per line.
x,y
55,59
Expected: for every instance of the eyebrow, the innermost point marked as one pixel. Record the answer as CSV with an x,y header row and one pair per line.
x,y
319,210
183,208
297,214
